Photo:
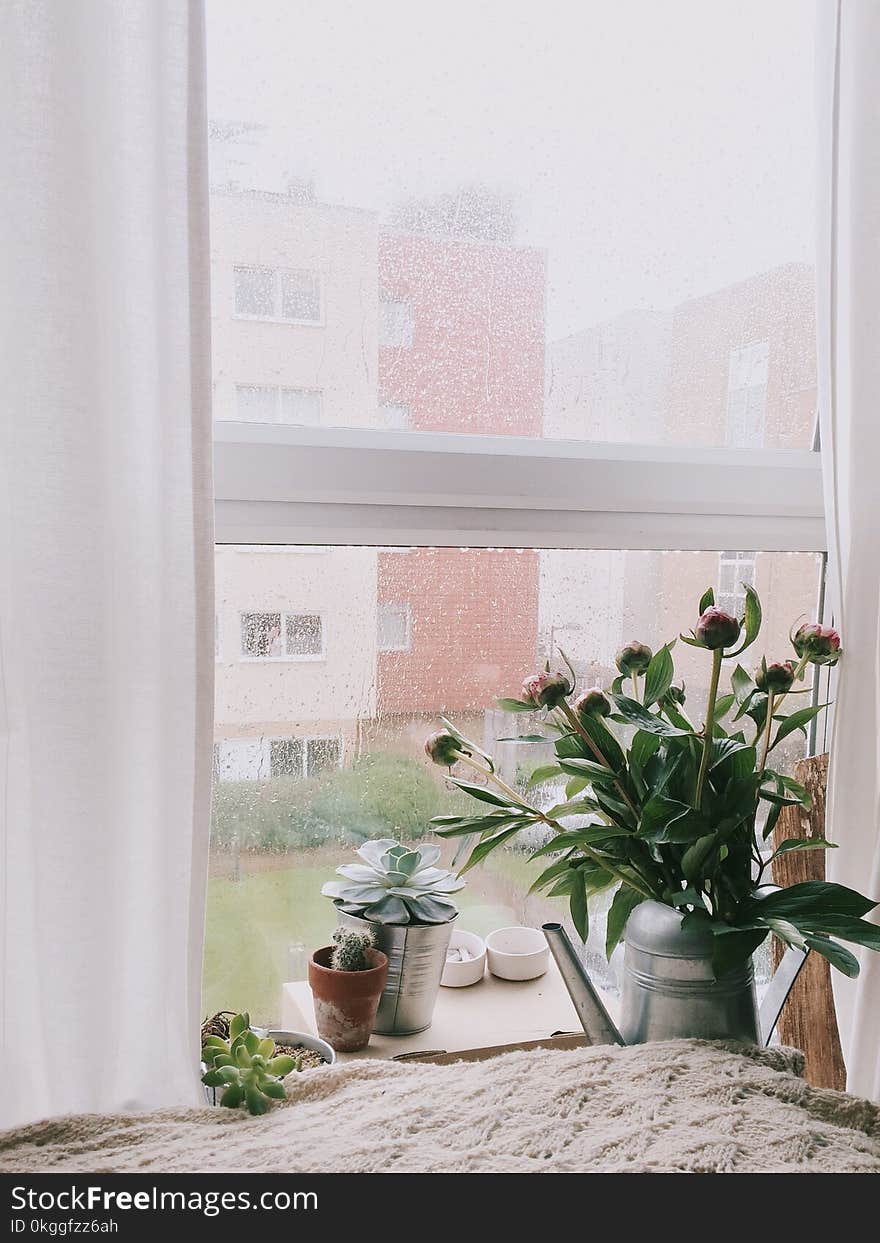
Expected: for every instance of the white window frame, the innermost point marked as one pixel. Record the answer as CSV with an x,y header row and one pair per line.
x,y
277,390
277,317
305,739
285,657
745,567
278,484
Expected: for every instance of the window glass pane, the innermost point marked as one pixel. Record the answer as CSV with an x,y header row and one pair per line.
x,y
300,296
261,634
304,635
255,292
299,406
256,404
496,265
313,757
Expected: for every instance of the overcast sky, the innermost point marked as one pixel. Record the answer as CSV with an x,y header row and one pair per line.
x,y
657,149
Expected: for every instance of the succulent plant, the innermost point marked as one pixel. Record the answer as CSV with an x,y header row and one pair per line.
x,y
396,885
246,1067
350,947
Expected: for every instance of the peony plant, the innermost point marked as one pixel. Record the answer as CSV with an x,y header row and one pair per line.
x,y
659,807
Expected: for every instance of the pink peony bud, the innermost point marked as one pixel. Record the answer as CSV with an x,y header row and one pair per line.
x,y
777,677
546,690
593,703
443,749
819,644
633,658
716,629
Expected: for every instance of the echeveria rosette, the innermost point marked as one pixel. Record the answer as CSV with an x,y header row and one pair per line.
x,y
658,808
396,884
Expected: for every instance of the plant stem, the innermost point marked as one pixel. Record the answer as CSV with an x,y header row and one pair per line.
x,y
635,678
575,724
709,728
768,725
502,785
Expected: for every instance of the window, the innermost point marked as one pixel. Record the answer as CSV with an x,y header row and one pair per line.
x,y
277,294
395,323
257,403
736,571
282,636
394,622
526,443
747,395
394,414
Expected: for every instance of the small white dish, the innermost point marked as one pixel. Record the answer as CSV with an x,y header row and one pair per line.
x,y
517,953
461,974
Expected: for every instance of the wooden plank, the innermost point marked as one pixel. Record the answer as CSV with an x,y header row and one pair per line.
x,y
808,1021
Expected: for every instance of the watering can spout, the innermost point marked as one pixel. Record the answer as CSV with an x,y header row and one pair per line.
x,y
592,1014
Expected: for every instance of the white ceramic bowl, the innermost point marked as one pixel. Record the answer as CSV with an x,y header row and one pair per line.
x,y
461,974
517,953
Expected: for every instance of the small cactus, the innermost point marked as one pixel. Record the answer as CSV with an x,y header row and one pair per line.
x,y
350,949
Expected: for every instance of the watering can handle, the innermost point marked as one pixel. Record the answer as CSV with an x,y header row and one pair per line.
x,y
778,989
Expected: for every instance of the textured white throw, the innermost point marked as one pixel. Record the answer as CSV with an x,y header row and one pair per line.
x,y
681,1105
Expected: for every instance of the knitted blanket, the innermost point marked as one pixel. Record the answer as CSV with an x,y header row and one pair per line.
x,y
682,1105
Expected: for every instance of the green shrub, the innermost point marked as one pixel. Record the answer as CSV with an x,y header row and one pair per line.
x,y
380,795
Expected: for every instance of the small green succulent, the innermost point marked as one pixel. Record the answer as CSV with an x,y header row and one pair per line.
x,y
396,885
247,1067
350,949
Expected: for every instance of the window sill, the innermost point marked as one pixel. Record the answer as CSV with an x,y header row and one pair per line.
x,y
275,319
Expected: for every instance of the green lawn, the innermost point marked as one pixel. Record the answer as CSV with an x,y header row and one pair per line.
x,y
254,921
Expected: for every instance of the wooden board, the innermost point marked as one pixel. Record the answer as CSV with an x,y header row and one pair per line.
x,y
808,1021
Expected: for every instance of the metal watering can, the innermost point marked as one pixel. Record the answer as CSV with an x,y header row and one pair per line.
x,y
669,989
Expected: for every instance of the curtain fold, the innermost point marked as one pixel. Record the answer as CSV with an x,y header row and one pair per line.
x,y
106,554
849,401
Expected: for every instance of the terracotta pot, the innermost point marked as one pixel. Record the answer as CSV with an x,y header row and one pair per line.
x,y
346,1001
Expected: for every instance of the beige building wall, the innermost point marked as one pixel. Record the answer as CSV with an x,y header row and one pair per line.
x,y
288,696
336,356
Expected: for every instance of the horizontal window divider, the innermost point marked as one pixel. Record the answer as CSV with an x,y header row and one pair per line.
x,y
277,484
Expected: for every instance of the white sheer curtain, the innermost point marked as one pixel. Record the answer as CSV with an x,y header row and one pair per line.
x,y
849,377
106,660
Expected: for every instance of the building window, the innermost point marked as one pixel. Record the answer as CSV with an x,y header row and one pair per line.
x,y
747,395
394,414
395,323
286,757
239,759
736,571
282,636
297,757
257,403
277,294
394,626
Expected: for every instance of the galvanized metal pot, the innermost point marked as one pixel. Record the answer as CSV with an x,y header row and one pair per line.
x,y
416,956
669,989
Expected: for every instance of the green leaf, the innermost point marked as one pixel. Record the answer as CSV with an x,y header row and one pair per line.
x,y
733,949
604,740
482,825
642,747
515,705
687,897
240,1023
811,898
772,817
723,704
839,957
578,905
488,844
859,931
575,785
484,795
742,684
527,738
281,1065
639,716
588,768
658,676
796,720
802,843
573,807
556,869
213,1079
624,903
695,856
255,1101
752,620
544,772
277,1091
592,836
666,820
233,1096
707,599
267,1048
